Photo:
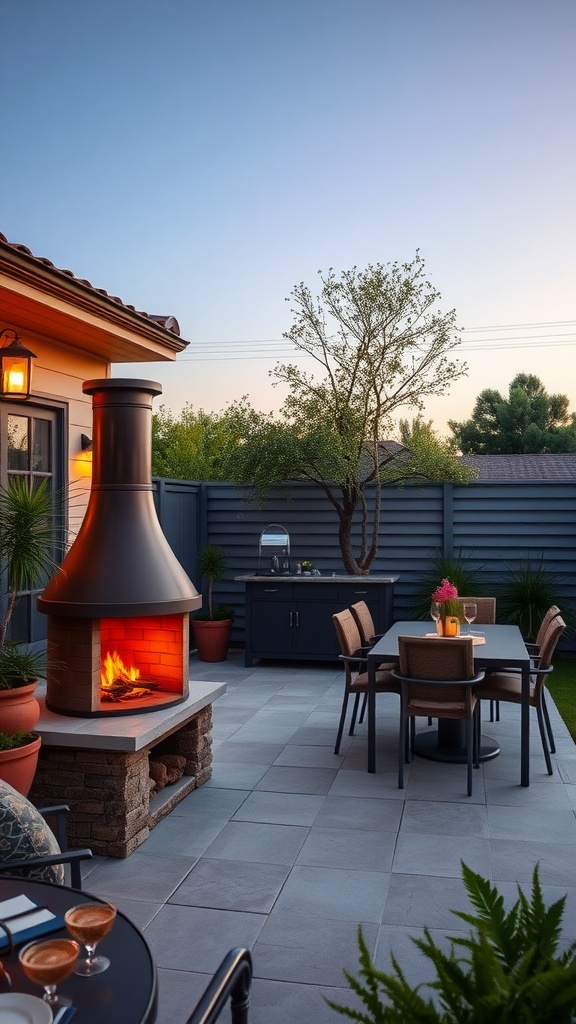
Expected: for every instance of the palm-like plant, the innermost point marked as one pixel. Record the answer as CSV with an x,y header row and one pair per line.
x,y
26,551
455,568
526,594
213,565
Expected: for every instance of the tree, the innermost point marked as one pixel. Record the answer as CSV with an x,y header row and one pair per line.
x,y
192,445
380,344
529,421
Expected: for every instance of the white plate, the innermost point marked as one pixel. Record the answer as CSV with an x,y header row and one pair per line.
x,y
20,1008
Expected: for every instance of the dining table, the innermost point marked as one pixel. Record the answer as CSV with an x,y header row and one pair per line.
x,y
503,647
125,993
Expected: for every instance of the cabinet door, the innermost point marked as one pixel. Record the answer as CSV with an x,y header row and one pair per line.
x,y
272,628
315,635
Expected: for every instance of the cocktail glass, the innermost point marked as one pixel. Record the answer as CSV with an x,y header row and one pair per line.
x,y
89,923
48,963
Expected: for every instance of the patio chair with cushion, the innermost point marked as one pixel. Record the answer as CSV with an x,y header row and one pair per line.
x,y
355,681
507,686
437,679
29,848
534,652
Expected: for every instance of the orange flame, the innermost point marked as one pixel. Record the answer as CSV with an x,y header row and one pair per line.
x,y
114,669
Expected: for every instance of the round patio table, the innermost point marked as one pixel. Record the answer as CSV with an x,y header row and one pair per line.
x,y
124,994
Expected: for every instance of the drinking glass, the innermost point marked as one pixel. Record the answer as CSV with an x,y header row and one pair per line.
x,y
470,613
89,923
435,611
47,963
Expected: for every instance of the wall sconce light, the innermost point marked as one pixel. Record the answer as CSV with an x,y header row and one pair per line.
x,y
86,443
15,367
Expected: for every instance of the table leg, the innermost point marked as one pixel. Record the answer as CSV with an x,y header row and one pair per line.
x,y
525,727
371,715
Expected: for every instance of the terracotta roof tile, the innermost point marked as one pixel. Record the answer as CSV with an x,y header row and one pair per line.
x,y
168,323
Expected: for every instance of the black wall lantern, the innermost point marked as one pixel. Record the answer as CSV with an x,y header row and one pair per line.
x,y
15,367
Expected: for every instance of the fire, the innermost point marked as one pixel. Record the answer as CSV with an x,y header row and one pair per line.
x,y
114,670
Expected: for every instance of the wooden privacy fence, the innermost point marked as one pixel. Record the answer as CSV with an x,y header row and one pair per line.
x,y
492,523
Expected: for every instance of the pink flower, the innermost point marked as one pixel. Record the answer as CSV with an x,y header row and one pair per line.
x,y
445,592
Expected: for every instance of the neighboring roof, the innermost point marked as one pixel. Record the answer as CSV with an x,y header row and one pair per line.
x,y
523,467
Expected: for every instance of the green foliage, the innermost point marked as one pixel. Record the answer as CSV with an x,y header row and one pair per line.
x,y
510,968
528,421
562,685
19,665
219,613
457,569
212,565
195,445
526,594
27,518
11,740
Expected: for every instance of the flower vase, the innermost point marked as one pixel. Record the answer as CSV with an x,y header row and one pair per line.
x,y
448,625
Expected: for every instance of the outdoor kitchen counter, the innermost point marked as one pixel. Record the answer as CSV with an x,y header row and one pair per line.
x,y
290,617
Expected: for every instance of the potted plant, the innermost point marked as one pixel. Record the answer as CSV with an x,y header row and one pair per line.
x,y
18,758
512,967
212,627
26,546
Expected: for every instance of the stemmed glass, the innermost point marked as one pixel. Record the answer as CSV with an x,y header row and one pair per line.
x,y
435,611
89,923
49,962
470,613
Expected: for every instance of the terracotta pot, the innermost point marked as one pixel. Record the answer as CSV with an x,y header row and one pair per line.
x,y
212,638
18,766
19,708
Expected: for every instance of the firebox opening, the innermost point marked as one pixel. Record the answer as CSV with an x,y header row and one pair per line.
x,y
137,664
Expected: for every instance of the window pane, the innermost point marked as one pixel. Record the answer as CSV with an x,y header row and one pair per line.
x,y
18,445
41,448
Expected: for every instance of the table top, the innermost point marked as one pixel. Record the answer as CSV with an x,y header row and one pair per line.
x,y
125,993
504,644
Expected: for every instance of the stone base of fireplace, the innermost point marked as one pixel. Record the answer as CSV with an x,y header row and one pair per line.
x,y
99,767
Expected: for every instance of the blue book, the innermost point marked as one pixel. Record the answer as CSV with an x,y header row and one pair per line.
x,y
24,921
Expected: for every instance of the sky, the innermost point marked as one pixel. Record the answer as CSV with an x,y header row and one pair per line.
x,y
200,158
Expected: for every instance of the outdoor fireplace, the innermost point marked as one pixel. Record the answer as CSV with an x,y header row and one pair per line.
x,y
118,609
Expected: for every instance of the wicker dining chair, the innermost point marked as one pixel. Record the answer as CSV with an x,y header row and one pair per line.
x,y
485,609
369,637
437,679
507,686
356,677
534,652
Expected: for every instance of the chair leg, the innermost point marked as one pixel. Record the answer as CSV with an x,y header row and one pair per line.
x,y
410,751
341,723
402,744
548,725
363,709
542,728
477,721
354,714
469,743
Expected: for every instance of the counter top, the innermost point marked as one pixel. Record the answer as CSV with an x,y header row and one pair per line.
x,y
279,578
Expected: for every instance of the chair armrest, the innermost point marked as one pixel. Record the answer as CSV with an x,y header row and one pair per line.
x,y
356,657
71,857
232,982
532,648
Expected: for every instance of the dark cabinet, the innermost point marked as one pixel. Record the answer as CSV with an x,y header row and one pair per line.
x,y
292,620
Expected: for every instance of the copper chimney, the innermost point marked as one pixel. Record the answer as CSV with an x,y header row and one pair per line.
x,y
120,567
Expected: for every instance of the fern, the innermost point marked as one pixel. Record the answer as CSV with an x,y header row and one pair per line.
x,y
506,971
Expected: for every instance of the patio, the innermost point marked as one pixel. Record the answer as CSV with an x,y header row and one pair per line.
x,y
288,848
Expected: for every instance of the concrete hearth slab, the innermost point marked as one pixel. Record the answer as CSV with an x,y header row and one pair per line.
x,y
126,733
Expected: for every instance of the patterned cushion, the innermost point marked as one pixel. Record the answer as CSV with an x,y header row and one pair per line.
x,y
24,833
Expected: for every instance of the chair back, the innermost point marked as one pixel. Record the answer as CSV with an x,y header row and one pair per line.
x,y
364,621
347,632
485,609
422,657
551,614
553,634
